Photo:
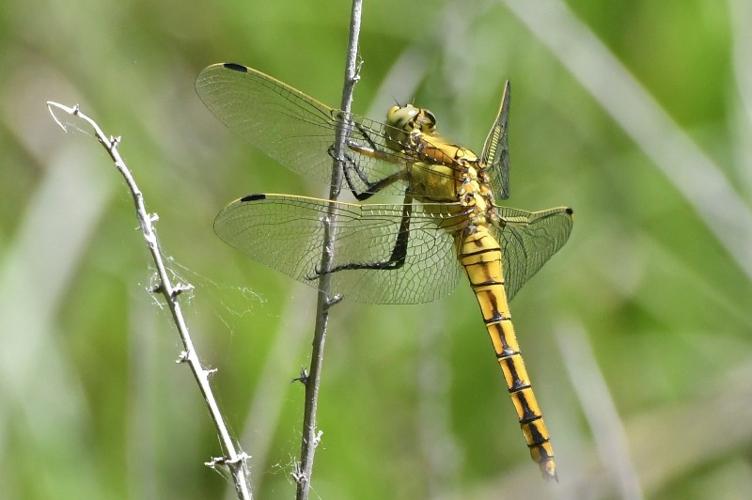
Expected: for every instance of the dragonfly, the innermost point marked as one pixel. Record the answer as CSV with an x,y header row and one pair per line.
x,y
391,253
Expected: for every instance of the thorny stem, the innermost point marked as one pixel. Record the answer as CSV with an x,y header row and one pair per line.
x,y
311,436
235,459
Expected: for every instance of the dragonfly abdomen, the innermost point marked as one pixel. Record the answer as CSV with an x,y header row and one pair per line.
x,y
481,257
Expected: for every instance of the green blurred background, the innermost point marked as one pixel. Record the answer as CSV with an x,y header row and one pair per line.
x,y
638,334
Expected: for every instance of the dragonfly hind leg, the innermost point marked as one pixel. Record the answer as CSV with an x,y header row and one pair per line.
x,y
399,253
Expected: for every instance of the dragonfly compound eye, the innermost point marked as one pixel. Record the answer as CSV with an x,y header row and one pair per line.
x,y
428,121
401,116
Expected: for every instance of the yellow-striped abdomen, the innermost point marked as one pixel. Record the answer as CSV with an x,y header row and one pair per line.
x,y
480,255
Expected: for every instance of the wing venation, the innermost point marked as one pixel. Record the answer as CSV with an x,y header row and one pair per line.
x,y
285,232
528,240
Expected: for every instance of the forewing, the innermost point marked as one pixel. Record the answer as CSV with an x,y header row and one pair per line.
x,y
495,152
293,128
285,232
528,240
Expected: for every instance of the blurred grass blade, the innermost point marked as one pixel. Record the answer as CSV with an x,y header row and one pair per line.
x,y
667,443
274,383
599,408
740,19
441,453
692,172
40,392
35,275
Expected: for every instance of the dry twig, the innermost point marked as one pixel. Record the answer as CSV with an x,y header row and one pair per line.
x,y
312,379
234,459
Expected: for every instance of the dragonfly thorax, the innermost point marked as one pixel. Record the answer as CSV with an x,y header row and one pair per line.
x,y
476,196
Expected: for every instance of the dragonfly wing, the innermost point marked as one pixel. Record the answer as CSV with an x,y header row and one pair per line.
x,y
285,232
291,127
528,240
495,152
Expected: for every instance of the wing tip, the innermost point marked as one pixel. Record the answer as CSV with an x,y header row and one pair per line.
x,y
235,67
252,197
569,211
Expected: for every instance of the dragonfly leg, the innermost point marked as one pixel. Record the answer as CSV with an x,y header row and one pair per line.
x,y
371,188
399,253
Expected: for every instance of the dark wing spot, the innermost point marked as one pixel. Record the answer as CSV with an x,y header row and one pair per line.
x,y
236,67
253,197
570,211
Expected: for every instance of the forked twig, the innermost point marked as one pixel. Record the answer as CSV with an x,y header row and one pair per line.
x,y
235,459
311,436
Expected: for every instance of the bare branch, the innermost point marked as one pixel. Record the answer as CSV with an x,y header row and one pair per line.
x,y
311,436
235,459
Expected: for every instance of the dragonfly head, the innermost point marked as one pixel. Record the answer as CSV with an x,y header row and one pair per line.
x,y
409,118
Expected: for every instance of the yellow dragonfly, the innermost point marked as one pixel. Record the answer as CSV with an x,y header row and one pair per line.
x,y
405,253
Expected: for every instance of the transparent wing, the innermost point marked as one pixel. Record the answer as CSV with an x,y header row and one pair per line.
x,y
528,240
285,232
495,152
293,128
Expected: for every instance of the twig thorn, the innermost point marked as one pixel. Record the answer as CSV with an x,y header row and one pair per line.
x,y
181,288
337,298
302,378
317,438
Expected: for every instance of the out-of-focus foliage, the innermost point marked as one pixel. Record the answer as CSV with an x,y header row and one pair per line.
x,y
412,404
